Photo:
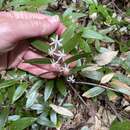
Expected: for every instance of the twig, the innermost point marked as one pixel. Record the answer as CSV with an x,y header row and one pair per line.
x,y
78,95
113,3
114,110
93,84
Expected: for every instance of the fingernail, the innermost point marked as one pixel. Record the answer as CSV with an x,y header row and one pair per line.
x,y
54,19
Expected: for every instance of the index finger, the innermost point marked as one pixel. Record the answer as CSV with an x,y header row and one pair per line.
x,y
23,15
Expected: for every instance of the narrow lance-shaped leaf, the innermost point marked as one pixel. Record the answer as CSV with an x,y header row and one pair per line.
x,y
19,91
3,117
32,93
53,117
71,44
39,61
40,45
106,78
106,57
7,83
61,110
31,99
121,87
87,33
93,92
44,121
22,123
48,89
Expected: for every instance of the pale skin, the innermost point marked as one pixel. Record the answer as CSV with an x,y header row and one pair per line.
x,y
15,28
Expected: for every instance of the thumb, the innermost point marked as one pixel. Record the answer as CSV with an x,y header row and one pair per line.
x,y
35,27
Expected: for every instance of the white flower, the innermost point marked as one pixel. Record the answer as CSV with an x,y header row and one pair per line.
x,y
51,51
71,79
93,16
65,68
61,55
56,42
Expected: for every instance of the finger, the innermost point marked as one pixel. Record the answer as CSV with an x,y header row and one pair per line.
x,y
33,28
61,29
3,62
50,67
16,56
23,15
36,71
30,16
48,75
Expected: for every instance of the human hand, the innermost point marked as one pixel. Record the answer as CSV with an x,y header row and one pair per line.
x,y
18,26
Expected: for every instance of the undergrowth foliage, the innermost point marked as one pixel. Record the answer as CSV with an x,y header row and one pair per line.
x,y
97,38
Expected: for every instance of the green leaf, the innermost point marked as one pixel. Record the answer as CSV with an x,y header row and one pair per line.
x,y
39,61
31,99
40,45
71,44
75,57
1,3
120,87
32,94
13,117
93,92
22,123
43,120
19,91
60,85
68,34
48,89
85,46
7,83
36,86
3,117
117,125
87,33
53,117
61,110
95,75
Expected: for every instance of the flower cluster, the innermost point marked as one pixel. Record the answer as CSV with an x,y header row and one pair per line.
x,y
54,51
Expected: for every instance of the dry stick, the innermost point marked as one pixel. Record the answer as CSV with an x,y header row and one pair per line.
x,y
114,110
113,2
93,84
78,95
81,98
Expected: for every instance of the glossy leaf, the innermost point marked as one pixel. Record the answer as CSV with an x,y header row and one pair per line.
x,y
3,117
106,57
93,92
121,87
40,45
7,83
19,91
31,99
61,110
106,78
44,121
48,89
53,117
96,35
71,44
22,123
